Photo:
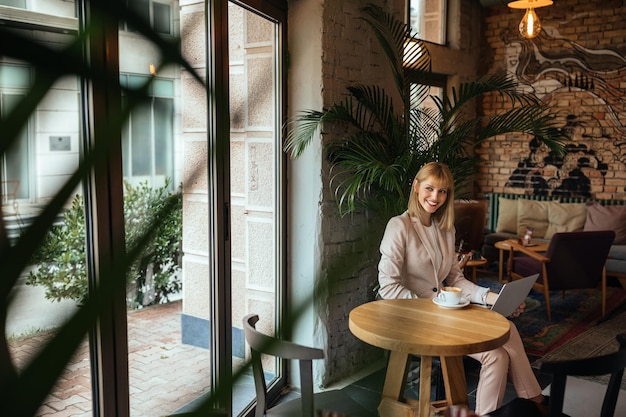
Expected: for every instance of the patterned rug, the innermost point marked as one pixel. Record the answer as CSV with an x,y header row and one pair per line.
x,y
573,314
598,340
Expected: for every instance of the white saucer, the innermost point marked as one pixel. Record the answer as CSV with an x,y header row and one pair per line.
x,y
451,307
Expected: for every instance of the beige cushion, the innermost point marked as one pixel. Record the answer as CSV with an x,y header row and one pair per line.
x,y
532,213
507,215
601,217
564,217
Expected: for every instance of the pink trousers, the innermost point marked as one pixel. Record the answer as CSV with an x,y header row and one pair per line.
x,y
508,360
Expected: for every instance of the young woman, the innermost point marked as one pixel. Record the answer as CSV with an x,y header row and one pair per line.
x,y
418,258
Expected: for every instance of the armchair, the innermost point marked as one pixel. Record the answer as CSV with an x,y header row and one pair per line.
x,y
573,260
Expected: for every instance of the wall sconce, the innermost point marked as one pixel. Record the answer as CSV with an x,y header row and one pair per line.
x,y
530,26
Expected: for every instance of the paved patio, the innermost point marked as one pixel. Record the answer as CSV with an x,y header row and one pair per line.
x,y
164,374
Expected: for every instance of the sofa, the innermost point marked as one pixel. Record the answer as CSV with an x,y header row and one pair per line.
x,y
509,215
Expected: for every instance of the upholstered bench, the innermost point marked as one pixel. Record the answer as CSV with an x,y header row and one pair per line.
x,y
510,214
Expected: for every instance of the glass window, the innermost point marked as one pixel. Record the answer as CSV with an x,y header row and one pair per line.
x,y
145,378
14,81
427,19
14,76
20,4
159,15
15,160
148,139
161,18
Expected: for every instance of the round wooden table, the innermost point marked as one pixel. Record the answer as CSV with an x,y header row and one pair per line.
x,y
419,327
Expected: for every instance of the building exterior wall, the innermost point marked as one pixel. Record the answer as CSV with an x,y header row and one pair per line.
x,y
54,140
577,65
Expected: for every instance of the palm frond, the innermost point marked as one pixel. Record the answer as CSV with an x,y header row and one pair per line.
x,y
298,139
301,128
404,51
498,83
531,120
375,110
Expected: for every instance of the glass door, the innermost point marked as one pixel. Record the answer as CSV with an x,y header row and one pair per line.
x,y
215,154
216,150
256,172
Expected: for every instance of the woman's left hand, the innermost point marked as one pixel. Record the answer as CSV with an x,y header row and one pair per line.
x,y
519,310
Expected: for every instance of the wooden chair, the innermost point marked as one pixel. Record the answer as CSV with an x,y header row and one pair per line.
x,y
573,260
611,364
332,402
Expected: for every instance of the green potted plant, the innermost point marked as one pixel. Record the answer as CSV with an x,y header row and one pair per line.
x,y
389,135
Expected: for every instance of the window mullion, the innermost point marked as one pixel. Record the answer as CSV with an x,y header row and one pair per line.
x,y
105,217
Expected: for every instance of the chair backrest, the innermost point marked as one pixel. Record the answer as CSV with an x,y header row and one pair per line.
x,y
262,344
612,364
578,258
469,223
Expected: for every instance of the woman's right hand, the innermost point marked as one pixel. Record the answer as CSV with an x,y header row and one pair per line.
x,y
519,310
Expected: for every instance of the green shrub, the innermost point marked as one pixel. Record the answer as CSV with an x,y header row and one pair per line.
x,y
60,261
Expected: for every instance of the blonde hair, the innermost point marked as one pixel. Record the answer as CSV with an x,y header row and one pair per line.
x,y
440,174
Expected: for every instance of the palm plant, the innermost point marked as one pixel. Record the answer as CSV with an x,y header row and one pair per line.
x,y
385,144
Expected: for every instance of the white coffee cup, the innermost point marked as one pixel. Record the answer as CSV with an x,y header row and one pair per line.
x,y
450,295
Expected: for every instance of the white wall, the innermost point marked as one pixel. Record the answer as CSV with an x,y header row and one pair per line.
x,y
305,182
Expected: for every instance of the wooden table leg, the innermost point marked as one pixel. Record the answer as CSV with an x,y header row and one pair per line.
x,y
392,403
426,364
395,377
500,265
454,380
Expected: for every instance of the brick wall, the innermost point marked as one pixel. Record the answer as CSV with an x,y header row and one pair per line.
x,y
350,56
578,66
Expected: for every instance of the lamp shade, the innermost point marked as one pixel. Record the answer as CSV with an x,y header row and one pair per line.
x,y
529,4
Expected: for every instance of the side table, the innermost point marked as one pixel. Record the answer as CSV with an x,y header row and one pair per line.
x,y
503,245
473,264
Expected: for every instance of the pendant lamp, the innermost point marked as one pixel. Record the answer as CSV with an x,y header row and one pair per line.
x,y
529,26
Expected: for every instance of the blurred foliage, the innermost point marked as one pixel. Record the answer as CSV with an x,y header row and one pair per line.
x,y
60,263
24,391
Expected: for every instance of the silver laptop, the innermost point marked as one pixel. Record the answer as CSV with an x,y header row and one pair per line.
x,y
513,294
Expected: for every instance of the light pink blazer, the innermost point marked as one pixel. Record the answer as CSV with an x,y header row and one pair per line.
x,y
406,269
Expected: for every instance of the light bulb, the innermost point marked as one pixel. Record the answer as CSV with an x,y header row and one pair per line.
x,y
530,26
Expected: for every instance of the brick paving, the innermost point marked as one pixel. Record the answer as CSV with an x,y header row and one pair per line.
x,y
164,374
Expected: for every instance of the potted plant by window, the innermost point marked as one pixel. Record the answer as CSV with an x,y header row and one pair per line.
x,y
386,141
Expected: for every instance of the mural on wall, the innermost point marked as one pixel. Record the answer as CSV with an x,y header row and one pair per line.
x,y
583,84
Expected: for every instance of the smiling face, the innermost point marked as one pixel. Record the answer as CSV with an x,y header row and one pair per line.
x,y
430,194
